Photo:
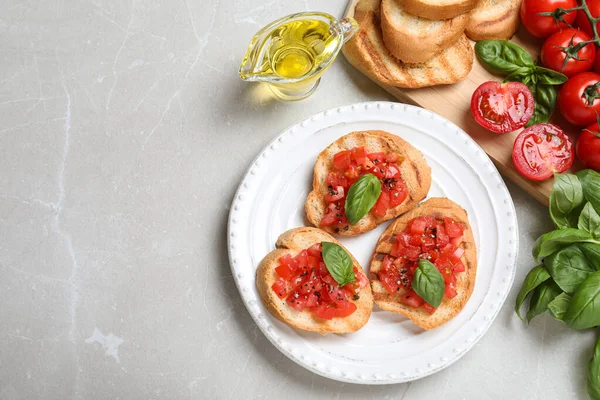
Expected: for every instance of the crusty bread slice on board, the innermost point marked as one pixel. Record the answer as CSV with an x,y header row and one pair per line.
x,y
293,242
494,19
438,9
413,170
413,39
438,208
366,52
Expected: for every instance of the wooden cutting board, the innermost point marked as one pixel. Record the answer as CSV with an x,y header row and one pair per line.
x,y
453,102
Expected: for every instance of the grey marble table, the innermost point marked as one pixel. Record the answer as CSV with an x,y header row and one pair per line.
x,y
125,131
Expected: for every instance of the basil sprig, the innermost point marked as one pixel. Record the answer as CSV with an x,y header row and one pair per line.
x,y
428,283
534,278
362,196
584,307
338,263
511,60
568,282
593,379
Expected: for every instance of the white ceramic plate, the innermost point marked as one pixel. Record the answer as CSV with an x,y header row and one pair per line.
x,y
389,348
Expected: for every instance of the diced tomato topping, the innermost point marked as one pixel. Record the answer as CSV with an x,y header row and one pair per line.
x,y
342,160
306,284
428,308
335,179
399,193
315,250
348,167
389,281
362,280
382,205
334,194
450,290
453,228
376,157
359,154
424,238
331,215
412,299
392,157
280,288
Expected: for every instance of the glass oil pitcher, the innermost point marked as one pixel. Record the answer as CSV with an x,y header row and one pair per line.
x,y
292,53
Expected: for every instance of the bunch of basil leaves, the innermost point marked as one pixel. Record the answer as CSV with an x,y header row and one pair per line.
x,y
567,280
516,64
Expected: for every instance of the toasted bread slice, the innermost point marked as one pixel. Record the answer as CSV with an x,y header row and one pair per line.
x,y
414,39
438,208
494,19
438,9
367,52
414,171
293,242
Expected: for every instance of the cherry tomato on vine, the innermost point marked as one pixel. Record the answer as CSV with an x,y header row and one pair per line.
x,y
561,52
501,107
541,150
544,26
597,62
579,98
588,147
582,20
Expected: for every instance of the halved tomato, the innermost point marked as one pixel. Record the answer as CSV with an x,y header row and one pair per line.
x,y
541,150
501,107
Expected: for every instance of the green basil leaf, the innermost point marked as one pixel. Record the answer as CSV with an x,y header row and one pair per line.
x,y
569,268
558,239
590,182
558,306
593,378
338,263
565,199
589,220
534,278
428,283
502,56
584,309
547,76
591,251
522,74
362,196
545,102
541,297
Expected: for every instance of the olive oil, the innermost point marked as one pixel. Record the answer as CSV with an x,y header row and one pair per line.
x,y
297,48
292,52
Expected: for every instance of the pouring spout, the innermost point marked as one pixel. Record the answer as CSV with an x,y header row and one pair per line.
x,y
346,27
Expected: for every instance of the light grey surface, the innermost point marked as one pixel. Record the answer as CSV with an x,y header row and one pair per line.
x,y
125,131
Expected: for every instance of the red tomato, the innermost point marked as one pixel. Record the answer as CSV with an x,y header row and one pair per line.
x,y
359,154
597,62
450,290
453,228
334,194
412,299
582,20
315,250
398,193
541,150
501,107
383,203
544,26
588,147
341,160
280,288
557,55
579,98
428,308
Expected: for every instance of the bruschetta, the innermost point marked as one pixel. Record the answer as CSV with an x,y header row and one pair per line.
x,y
357,167
437,232
311,282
